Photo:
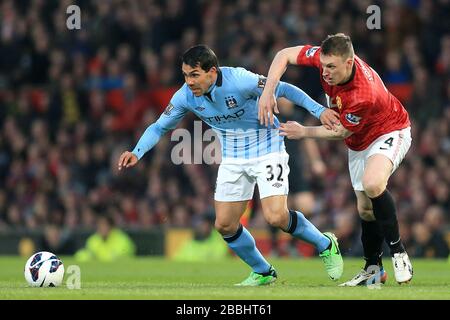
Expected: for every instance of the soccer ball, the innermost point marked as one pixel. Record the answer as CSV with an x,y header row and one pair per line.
x,y
44,269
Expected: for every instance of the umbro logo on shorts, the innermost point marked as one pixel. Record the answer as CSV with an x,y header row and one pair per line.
x,y
277,185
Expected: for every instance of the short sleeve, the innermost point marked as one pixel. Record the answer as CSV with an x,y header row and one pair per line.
x,y
175,110
249,84
309,56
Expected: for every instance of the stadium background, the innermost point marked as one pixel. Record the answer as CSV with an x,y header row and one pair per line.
x,y
71,101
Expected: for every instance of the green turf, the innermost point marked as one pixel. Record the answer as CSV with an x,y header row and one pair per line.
x,y
155,278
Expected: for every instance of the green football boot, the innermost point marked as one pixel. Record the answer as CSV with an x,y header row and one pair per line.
x,y
259,279
332,259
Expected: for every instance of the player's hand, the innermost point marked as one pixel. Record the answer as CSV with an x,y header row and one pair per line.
x,y
330,119
292,130
267,105
127,159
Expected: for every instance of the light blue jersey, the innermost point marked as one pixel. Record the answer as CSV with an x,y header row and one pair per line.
x,y
230,108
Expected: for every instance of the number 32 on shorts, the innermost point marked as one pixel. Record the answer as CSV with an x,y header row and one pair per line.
x,y
270,172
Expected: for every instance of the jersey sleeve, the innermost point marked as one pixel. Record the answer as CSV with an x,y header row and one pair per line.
x,y
252,85
300,98
354,117
169,119
248,83
175,111
309,56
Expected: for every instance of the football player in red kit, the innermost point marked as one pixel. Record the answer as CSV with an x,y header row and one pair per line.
x,y
377,131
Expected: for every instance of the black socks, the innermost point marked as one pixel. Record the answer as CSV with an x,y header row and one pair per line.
x,y
372,241
385,214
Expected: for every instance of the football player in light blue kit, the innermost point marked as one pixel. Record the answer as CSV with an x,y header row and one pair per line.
x,y
226,99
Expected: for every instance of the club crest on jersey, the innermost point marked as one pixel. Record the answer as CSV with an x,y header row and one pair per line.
x,y
339,102
168,109
310,52
262,82
200,109
352,118
231,102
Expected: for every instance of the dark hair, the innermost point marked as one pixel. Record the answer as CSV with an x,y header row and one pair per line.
x,y
338,45
200,55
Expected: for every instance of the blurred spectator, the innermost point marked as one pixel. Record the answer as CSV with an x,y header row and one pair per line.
x,y
436,244
57,240
207,244
428,244
107,244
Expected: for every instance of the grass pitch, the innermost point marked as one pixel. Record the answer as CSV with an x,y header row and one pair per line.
x,y
157,278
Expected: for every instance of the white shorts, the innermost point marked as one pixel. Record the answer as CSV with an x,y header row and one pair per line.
x,y
236,178
393,145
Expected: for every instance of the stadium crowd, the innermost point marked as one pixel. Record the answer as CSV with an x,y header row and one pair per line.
x,y
71,100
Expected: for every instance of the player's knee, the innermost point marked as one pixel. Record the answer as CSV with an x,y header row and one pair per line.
x,y
373,187
277,218
225,228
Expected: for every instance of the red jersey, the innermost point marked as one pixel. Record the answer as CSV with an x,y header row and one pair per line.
x,y
365,106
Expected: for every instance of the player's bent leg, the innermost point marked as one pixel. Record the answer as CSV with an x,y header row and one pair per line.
x,y
372,240
277,214
228,214
275,211
242,243
371,233
378,169
294,222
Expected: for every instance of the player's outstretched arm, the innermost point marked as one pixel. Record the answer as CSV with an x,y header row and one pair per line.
x,y
148,140
168,120
267,104
294,130
329,118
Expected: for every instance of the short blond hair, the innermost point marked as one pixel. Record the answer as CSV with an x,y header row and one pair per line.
x,y
338,44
